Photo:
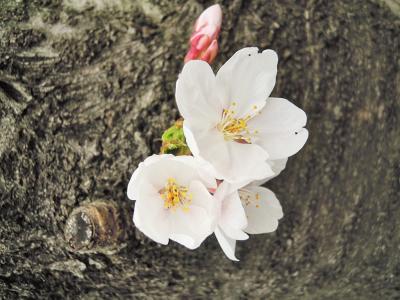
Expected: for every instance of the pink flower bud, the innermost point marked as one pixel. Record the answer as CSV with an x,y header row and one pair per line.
x,y
203,42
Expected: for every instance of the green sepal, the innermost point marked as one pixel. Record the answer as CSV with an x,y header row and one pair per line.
x,y
173,140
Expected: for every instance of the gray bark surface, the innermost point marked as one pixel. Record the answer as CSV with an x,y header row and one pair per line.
x,y
86,90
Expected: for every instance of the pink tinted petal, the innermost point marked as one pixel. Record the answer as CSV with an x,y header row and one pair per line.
x,y
203,42
212,16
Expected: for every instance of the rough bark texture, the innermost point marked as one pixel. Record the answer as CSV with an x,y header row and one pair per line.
x,y
86,89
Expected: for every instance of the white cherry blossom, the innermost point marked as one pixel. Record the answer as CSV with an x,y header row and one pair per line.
x,y
173,201
252,209
231,122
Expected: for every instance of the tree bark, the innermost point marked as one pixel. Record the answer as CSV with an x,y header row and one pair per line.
x,y
86,90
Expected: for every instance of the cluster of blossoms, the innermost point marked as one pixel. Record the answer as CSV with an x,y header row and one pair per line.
x,y
238,137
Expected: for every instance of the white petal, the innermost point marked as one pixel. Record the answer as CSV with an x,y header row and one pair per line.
x,y
150,217
233,233
202,198
248,78
247,162
185,240
277,167
231,161
140,174
208,145
280,126
284,145
226,70
155,158
190,228
171,166
190,140
232,218
133,185
227,244
206,175
196,94
263,211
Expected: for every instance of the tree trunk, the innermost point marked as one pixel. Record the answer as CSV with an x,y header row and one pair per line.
x,y
86,90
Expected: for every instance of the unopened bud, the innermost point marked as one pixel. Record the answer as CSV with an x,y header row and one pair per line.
x,y
203,42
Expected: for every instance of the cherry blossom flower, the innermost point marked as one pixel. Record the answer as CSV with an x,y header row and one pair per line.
x,y
231,122
252,209
172,200
203,42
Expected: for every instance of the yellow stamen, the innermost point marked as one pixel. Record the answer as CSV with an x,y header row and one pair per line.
x,y
249,198
236,129
175,196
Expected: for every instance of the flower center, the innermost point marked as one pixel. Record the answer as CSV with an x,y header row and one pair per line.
x,y
175,195
236,129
